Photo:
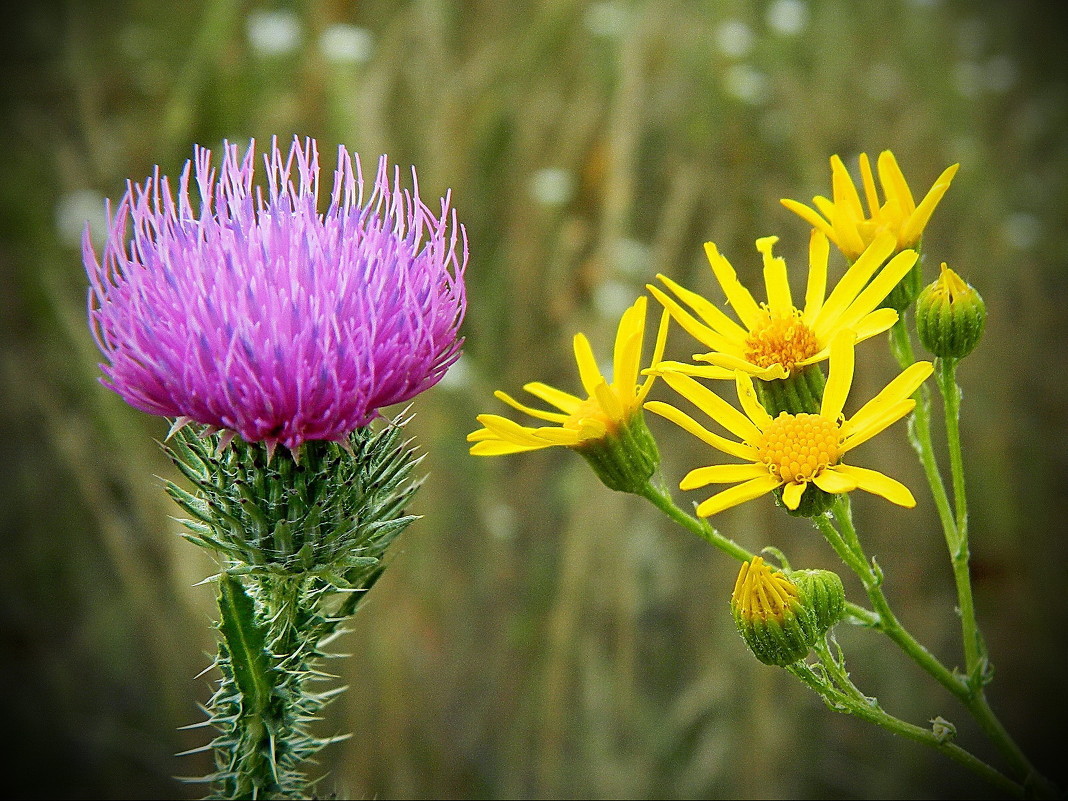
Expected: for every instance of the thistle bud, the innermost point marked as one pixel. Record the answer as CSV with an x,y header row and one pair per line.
x,y
950,316
822,594
770,615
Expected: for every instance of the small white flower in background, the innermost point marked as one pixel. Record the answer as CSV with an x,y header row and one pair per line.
x,y
1000,74
746,83
273,33
631,257
787,17
612,298
734,38
74,210
458,376
346,44
1022,230
607,19
552,186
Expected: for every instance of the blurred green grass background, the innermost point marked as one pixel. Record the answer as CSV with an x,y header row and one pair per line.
x,y
536,634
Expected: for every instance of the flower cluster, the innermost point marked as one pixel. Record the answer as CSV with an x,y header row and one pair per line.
x,y
790,431
257,314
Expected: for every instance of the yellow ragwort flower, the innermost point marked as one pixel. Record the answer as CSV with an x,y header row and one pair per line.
x,y
844,221
793,450
608,407
776,339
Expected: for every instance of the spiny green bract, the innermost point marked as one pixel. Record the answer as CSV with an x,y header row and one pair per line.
x,y
332,513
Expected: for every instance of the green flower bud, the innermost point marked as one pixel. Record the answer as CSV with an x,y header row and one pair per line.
x,y
822,593
625,458
950,316
770,615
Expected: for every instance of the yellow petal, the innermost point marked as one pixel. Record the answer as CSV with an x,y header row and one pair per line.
x,y
918,220
844,190
775,280
722,474
834,482
750,404
555,417
609,402
868,180
809,215
558,398
684,421
895,187
737,295
501,448
879,484
868,426
896,391
707,311
816,289
753,488
510,431
658,352
791,494
694,327
714,406
731,363
854,280
875,323
699,370
589,372
627,355
876,291
839,375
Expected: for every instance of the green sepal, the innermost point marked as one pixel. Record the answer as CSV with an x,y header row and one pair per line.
x,y
246,643
625,459
906,290
814,502
801,392
776,642
822,593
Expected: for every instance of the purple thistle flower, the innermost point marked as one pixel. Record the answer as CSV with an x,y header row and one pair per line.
x,y
259,315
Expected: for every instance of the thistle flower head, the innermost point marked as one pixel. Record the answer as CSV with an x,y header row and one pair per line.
x,y
850,227
254,313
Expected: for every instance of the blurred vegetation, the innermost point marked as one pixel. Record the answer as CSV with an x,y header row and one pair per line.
x,y
538,635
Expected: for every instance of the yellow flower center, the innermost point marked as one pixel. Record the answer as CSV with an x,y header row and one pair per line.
x,y
797,447
763,593
784,340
